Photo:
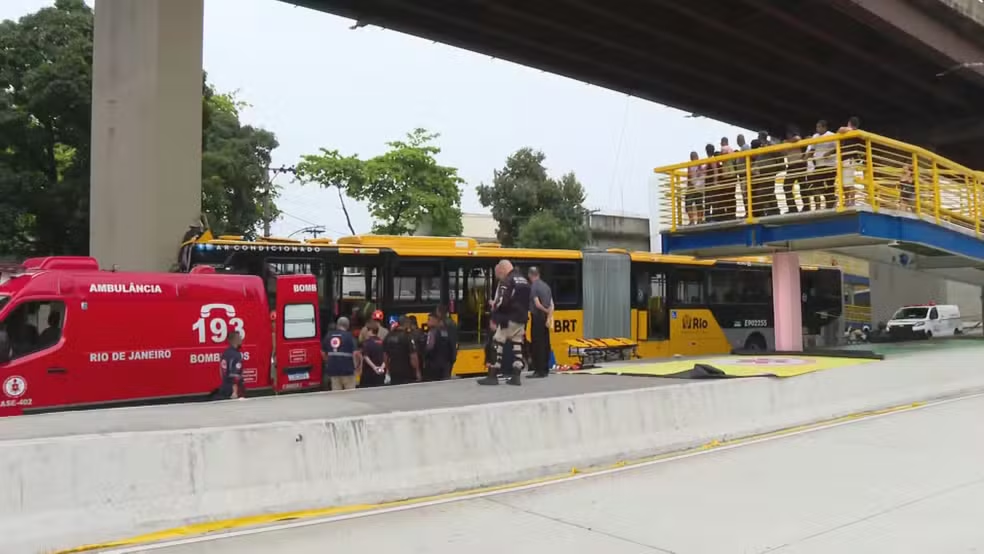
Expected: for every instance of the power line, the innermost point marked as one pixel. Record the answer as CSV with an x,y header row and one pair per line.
x,y
311,224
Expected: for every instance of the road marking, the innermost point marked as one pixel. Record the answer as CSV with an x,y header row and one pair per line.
x,y
254,525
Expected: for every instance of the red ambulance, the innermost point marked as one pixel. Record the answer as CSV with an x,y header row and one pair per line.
x,y
77,336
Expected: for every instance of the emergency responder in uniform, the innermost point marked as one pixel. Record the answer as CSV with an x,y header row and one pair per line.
x,y
438,351
419,338
231,368
338,350
370,357
452,328
511,311
401,355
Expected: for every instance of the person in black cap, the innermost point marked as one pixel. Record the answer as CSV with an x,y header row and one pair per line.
x,y
511,312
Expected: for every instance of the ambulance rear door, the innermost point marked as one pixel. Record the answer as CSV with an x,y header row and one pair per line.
x,y
297,331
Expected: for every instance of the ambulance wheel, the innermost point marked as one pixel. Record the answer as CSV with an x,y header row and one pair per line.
x,y
957,331
756,343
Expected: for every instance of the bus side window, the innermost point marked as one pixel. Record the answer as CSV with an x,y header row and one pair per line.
x,y
689,287
417,282
564,279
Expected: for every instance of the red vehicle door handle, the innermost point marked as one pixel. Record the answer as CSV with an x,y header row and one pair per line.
x,y
57,370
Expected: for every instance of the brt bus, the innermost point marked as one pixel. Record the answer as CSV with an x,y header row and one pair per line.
x,y
668,304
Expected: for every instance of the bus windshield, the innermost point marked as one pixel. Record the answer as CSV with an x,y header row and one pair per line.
x,y
915,312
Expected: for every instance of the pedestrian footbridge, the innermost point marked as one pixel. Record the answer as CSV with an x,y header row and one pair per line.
x,y
862,194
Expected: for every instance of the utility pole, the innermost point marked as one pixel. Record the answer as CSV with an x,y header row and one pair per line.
x,y
267,191
271,174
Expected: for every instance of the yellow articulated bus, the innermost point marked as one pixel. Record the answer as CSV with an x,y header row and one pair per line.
x,y
668,305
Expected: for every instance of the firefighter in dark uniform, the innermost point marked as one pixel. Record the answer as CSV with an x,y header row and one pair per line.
x,y
438,353
511,312
401,355
231,368
419,338
452,328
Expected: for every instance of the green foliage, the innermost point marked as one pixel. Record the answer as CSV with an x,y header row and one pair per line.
x,y
403,187
45,134
235,162
531,209
45,98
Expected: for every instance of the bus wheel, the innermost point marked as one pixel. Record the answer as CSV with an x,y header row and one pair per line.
x,y
756,343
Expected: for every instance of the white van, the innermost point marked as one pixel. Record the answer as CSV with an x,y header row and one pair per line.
x,y
925,321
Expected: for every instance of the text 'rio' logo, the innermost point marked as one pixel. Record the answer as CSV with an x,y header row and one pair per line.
x,y
215,321
691,322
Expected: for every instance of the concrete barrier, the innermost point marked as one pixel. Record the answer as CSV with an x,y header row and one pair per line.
x,y
65,491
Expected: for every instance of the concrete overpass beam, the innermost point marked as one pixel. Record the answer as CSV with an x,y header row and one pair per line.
x,y
146,130
950,47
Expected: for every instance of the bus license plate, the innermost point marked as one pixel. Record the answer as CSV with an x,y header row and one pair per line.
x,y
302,376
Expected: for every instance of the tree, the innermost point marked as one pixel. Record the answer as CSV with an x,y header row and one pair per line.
x,y
531,209
45,113
45,134
403,187
235,167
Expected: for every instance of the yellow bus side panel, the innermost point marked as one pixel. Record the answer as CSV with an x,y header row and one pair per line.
x,y
695,333
654,349
567,326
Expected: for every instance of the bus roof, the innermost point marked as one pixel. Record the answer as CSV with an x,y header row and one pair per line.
x,y
463,247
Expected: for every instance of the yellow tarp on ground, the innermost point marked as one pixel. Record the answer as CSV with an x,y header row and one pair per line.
x,y
733,366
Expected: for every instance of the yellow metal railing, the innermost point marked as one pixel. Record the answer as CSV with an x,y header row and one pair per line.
x,y
849,171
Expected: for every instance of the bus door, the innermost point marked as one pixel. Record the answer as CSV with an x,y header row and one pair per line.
x,y
650,308
471,286
297,341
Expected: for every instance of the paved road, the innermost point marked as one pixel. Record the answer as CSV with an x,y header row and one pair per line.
x,y
907,482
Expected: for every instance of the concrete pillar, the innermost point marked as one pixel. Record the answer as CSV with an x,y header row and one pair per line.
x,y
146,130
787,302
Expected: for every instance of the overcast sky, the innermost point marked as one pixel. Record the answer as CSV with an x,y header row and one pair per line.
x,y
316,83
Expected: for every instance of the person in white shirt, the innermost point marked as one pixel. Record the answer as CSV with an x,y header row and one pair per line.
x,y
824,158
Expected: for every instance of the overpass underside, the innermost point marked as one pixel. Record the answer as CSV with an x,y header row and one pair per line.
x,y
756,64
